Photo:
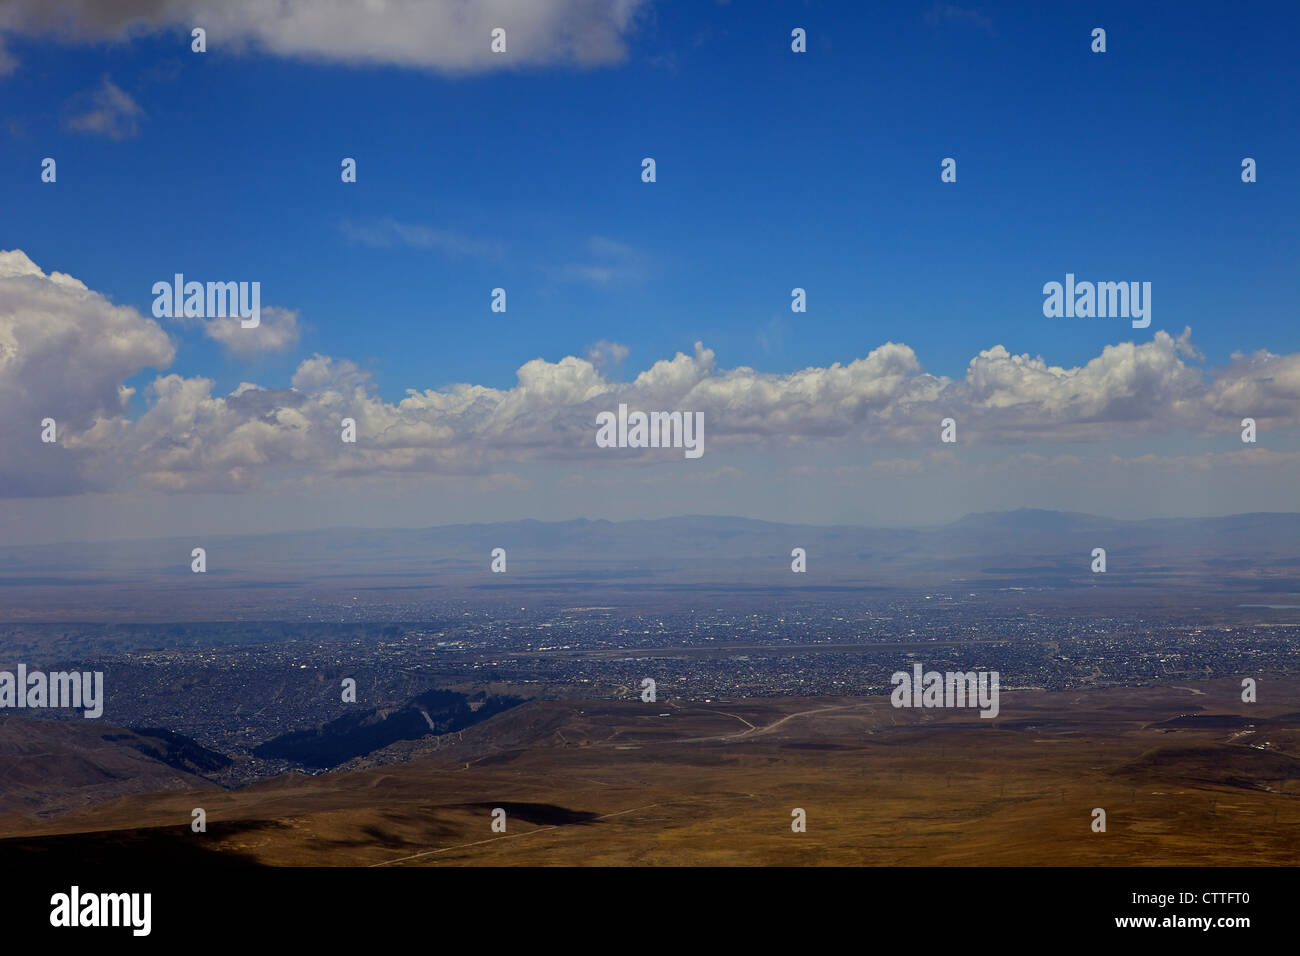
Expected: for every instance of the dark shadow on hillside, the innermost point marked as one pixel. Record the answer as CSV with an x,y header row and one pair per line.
x,y
132,849
538,814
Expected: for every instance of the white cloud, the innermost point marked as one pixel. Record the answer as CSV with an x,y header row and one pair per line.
x,y
1128,391
450,36
606,354
108,111
1262,385
66,352
387,232
277,331
607,262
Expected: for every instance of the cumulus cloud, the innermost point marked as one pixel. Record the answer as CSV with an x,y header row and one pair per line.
x,y
1262,385
66,352
277,331
1129,391
606,354
444,35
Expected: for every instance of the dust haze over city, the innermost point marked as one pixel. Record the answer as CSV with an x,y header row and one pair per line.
x,y
635,433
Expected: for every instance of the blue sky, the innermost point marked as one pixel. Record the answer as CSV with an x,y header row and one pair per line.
x,y
775,170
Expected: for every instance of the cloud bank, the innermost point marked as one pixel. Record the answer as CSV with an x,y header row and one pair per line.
x,y
66,353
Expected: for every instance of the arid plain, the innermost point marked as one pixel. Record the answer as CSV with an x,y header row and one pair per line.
x,y
1186,775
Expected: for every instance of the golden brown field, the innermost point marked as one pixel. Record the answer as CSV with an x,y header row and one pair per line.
x,y
600,783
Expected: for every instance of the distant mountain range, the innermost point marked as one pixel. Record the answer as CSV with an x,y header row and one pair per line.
x,y
1252,553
